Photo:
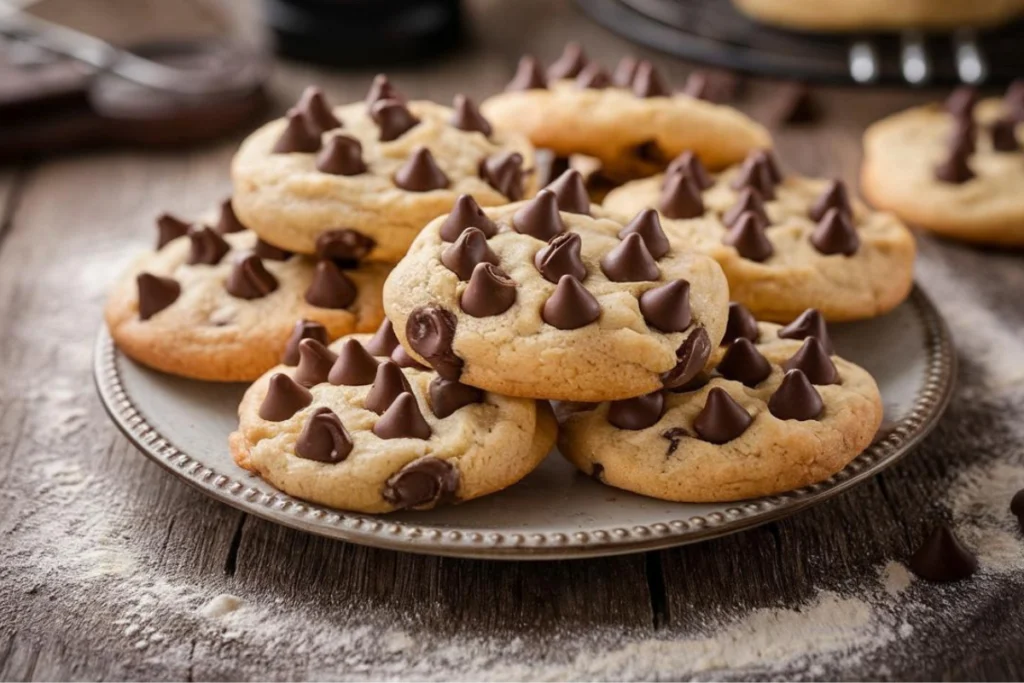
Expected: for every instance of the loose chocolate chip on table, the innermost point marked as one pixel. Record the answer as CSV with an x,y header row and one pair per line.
x,y
962,101
794,104
539,217
323,438
637,413
446,396
570,306
284,398
647,81
354,367
810,323
345,246
504,172
941,557
647,224
249,279
561,256
749,238
954,168
528,76
313,106
297,136
1004,135
304,329
169,228
674,436
155,294
569,64
749,201
835,234
466,214
691,164
388,383
571,192
402,420
206,247
393,119
402,359
330,288
342,155
382,89
228,221
741,324
796,398
490,292
624,73
383,341
814,362
742,362
835,196
466,252
721,419
667,308
315,363
422,483
629,261
691,357
680,198
266,250
1017,507
593,77
421,173
430,331
467,116
755,173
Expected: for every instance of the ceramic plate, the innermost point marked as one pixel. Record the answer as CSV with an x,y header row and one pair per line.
x,y
555,512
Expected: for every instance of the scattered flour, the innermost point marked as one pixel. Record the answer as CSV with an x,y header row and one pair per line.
x,y
220,605
895,578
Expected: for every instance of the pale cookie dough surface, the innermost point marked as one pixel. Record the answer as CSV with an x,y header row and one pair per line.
x,y
288,202
898,175
518,354
612,123
796,276
208,334
853,15
770,457
492,444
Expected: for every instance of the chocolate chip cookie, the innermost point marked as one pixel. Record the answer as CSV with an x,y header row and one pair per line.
x,y
361,426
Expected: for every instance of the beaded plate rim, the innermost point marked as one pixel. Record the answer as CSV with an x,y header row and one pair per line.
x,y
377,531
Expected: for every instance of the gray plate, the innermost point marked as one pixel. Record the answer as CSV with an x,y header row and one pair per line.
x,y
555,512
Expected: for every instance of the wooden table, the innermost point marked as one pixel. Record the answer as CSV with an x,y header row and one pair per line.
x,y
107,563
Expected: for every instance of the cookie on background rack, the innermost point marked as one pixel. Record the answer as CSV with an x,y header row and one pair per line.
x,y
956,169
213,302
554,298
861,15
629,119
785,242
360,426
382,169
780,411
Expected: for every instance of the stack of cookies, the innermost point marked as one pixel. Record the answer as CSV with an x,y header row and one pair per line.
x,y
423,323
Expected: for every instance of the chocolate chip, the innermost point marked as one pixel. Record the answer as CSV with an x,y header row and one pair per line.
x,y
624,73
680,197
942,557
748,237
422,483
962,101
266,250
569,64
446,396
388,383
690,163
1004,135
206,246
402,359
796,398
1014,100
593,77
814,362
834,197
343,155
284,398
570,306
647,81
721,419
421,173
637,413
345,247
571,193
323,438
561,256
354,366
539,217
742,362
467,117
667,308
430,331
691,357
810,323
382,89
393,118
402,420
468,251
313,106
383,341
741,324
228,221
504,172
963,136
749,201
465,214
649,152
597,472
169,228
771,162
549,166
955,169
793,104
1017,507
297,136
630,261
528,76
835,234
315,363
330,288
304,329
755,173
249,279
155,294
648,226
674,436
697,86
490,292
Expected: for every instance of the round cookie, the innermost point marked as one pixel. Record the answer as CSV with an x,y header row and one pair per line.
x,y
859,15
956,170
777,414
382,168
785,243
358,432
630,120
222,306
552,298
